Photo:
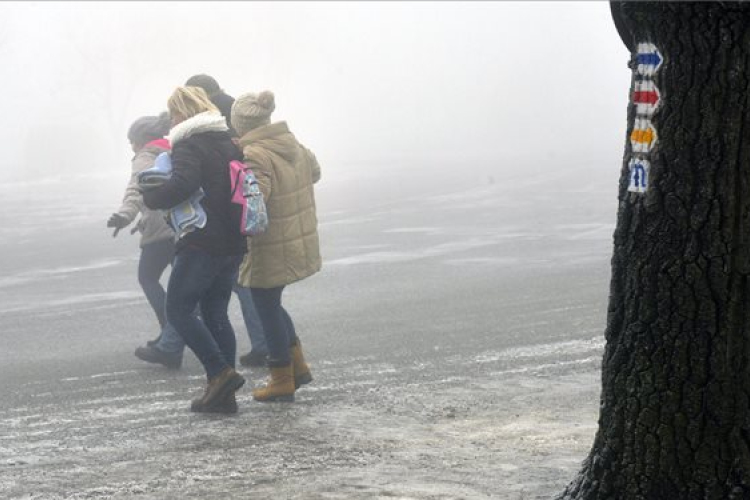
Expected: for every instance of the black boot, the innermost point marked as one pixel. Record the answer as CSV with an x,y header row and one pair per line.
x,y
151,354
254,358
152,343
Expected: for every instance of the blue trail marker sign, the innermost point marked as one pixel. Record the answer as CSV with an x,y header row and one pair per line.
x,y
638,175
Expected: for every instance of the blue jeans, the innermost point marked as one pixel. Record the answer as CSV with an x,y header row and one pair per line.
x,y
154,259
204,280
277,324
169,340
252,320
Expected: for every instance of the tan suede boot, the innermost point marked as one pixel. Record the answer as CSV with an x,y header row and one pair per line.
x,y
280,387
302,373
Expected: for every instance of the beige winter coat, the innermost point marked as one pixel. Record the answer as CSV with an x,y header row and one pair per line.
x,y
152,225
288,250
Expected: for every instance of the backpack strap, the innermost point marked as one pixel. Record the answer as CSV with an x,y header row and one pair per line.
x,y
236,170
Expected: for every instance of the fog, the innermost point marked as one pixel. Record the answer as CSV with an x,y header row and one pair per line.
x,y
470,157
458,85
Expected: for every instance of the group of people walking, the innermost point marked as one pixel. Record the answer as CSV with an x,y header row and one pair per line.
x,y
204,130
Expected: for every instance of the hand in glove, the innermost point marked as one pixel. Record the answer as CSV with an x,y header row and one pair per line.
x,y
118,222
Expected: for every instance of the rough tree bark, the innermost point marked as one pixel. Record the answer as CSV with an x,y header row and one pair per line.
x,y
675,409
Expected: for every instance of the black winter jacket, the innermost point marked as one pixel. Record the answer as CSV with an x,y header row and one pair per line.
x,y
201,160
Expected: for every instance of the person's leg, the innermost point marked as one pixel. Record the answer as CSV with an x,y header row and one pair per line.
x,y
170,341
281,384
154,259
302,374
214,306
252,320
291,331
193,274
167,350
268,304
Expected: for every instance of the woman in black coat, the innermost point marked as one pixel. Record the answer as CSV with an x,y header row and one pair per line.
x,y
207,258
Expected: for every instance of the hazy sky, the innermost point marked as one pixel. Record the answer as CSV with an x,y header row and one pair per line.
x,y
361,83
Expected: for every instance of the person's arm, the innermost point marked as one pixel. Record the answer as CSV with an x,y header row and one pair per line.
x,y
264,175
132,201
185,180
314,165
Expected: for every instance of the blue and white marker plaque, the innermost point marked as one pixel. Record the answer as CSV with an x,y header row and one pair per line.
x,y
648,59
638,175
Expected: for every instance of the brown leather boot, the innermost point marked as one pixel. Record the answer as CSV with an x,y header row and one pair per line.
x,y
302,373
280,387
218,390
227,405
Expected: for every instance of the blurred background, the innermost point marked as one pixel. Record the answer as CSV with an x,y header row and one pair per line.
x,y
461,85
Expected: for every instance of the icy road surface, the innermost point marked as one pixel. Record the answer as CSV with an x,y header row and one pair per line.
x,y
455,339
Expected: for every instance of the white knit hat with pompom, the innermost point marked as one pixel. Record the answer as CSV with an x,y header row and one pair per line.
x,y
252,110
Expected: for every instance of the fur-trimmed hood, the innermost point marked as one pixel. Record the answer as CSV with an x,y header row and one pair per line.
x,y
208,121
201,151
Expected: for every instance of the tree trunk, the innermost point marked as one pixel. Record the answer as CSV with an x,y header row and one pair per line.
x,y
675,413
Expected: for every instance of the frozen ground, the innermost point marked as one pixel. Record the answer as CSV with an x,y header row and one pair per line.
x,y
455,338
